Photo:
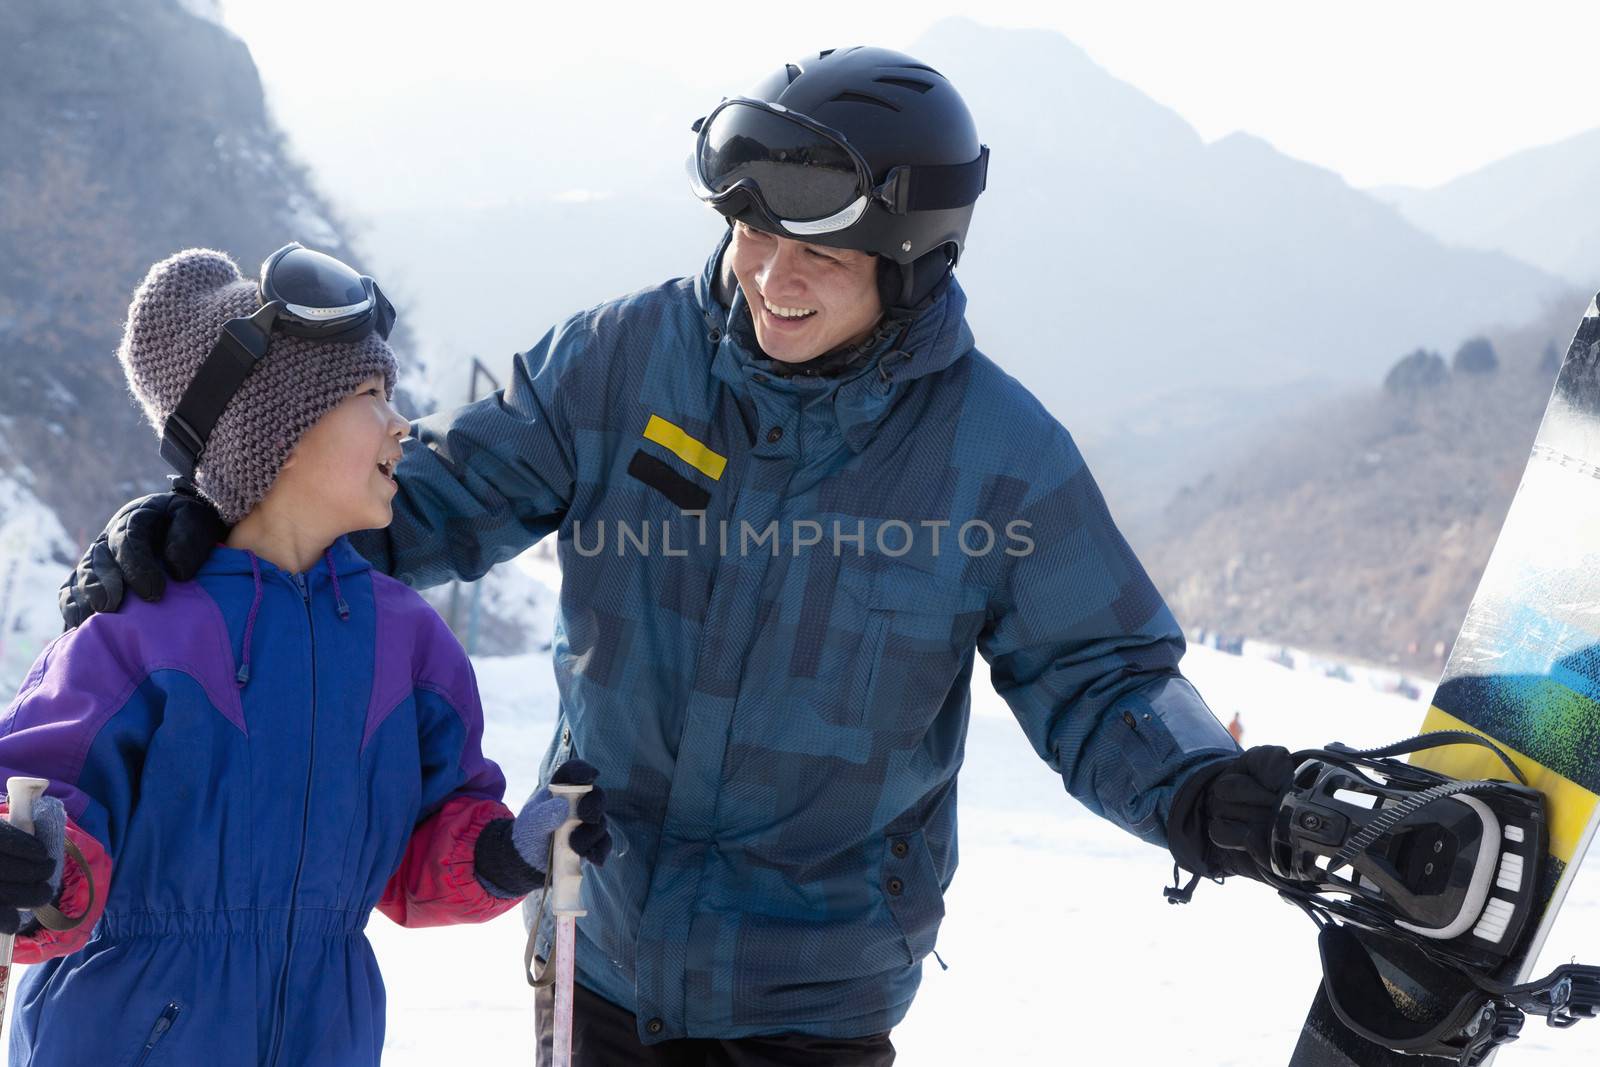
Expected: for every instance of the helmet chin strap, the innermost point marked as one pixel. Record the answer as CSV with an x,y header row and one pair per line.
x,y
907,289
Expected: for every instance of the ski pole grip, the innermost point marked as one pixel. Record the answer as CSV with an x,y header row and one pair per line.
x,y
566,870
21,792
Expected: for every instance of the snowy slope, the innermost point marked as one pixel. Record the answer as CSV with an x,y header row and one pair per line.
x,y
1060,946
35,554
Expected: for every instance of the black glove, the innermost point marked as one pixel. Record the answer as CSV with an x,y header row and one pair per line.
x,y
178,528
511,854
30,872
1221,819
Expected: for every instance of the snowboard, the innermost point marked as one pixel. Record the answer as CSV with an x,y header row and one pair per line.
x,y
1524,672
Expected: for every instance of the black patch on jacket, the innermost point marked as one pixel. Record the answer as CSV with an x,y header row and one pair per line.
x,y
668,482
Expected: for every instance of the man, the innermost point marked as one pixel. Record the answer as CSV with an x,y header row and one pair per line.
x,y
791,498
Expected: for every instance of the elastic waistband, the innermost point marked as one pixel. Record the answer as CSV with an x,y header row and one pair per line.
x,y
234,922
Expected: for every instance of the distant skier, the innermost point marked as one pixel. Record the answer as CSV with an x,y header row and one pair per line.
x,y
1236,728
783,723
243,771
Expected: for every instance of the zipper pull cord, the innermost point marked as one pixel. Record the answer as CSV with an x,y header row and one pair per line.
x,y
338,597
243,677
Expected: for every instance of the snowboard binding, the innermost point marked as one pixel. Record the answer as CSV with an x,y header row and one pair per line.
x,y
1426,890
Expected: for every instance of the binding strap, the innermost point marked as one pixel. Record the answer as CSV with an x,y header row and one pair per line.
x,y
1433,739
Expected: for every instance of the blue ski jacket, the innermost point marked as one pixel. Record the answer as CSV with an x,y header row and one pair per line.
x,y
249,766
772,592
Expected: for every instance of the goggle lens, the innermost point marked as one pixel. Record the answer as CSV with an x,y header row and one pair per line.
x,y
801,174
312,280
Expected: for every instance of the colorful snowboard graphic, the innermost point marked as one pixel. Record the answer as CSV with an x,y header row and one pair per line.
x,y
1525,672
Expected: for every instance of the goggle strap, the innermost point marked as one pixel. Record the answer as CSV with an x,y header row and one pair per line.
x,y
240,346
383,312
941,187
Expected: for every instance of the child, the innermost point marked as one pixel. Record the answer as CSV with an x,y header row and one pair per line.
x,y
250,765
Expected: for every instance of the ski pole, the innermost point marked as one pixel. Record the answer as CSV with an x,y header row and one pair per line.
x,y
22,792
566,882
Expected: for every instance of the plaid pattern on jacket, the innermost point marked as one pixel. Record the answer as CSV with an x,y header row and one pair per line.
x,y
778,711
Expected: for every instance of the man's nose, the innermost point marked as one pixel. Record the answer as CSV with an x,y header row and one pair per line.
x,y
780,266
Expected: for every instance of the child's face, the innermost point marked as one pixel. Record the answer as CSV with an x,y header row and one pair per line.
x,y
339,476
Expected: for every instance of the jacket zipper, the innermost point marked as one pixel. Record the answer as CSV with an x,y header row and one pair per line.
x,y
305,822
164,1021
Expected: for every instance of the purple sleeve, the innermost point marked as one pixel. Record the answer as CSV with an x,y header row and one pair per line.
x,y
417,654
85,677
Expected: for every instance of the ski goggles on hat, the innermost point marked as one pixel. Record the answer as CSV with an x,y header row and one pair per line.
x,y
319,297
303,294
805,177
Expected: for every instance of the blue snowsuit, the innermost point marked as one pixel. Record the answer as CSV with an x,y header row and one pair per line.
x,y
780,724
249,766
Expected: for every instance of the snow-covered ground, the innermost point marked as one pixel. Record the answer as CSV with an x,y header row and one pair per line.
x,y
1060,946
34,557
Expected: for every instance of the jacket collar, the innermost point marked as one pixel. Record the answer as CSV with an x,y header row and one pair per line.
x,y
236,561
338,558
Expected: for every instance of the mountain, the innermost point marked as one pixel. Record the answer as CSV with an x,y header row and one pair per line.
x,y
1121,265
1360,527
1159,293
1536,205
1165,296
131,130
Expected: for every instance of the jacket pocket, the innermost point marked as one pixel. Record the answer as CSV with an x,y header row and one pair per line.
x,y
911,886
1147,745
1150,755
163,1025
917,632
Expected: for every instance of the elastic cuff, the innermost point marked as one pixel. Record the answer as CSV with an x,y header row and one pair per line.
x,y
500,868
1191,848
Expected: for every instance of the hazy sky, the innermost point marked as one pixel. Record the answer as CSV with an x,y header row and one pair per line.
x,y
1410,92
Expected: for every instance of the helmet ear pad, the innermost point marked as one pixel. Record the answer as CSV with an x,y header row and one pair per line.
x,y
908,288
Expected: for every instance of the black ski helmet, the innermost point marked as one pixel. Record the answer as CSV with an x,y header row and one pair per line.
x,y
899,115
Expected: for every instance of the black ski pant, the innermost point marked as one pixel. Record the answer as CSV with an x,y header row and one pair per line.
x,y
604,1035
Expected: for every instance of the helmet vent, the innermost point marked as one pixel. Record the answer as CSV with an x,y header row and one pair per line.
x,y
906,83
852,97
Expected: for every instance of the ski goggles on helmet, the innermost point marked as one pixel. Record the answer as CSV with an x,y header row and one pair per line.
x,y
303,294
806,178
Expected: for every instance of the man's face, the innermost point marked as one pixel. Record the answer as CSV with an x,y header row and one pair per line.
x,y
806,299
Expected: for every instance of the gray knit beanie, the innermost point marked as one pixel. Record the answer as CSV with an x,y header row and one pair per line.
x,y
176,315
